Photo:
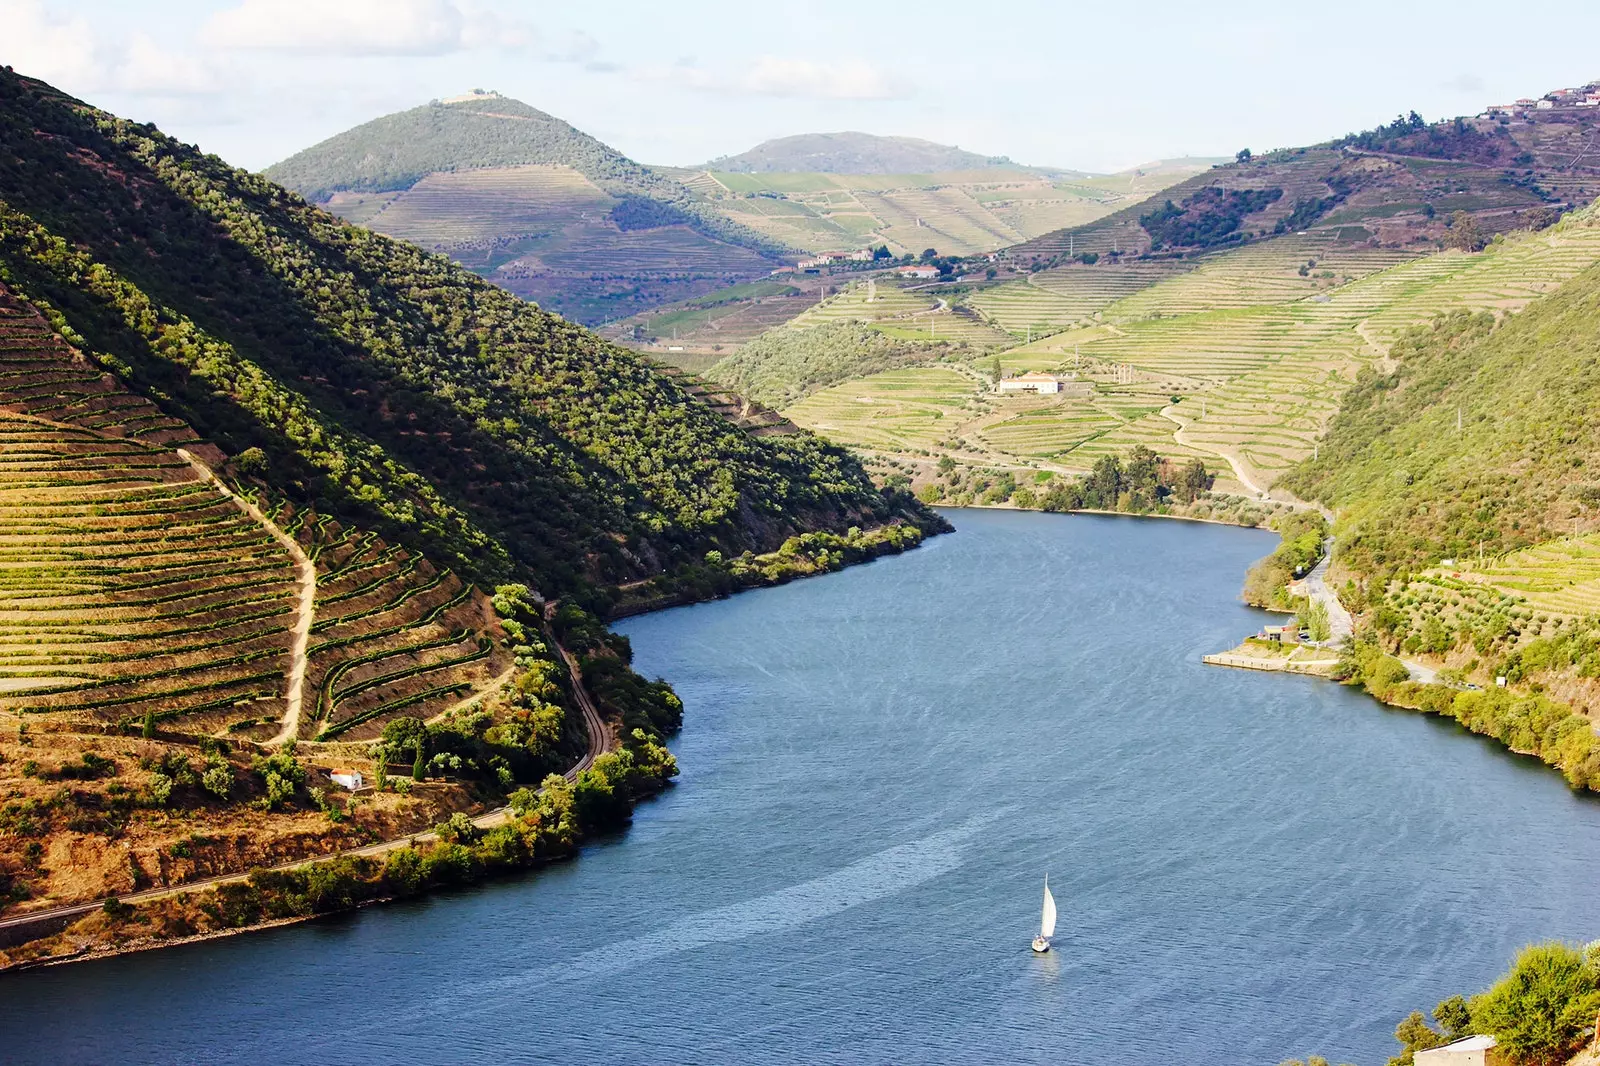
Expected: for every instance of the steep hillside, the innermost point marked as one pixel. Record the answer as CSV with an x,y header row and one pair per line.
x,y
523,198
852,153
1411,487
283,496
382,380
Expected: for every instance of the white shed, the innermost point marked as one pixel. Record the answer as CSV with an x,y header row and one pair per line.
x,y
353,780
1469,1051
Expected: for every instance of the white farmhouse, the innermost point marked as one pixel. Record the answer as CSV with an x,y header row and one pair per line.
x,y
353,780
1035,382
1469,1051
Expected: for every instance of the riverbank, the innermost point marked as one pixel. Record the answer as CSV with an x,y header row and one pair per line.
x,y
299,890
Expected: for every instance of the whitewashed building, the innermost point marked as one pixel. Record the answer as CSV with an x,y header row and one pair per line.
x,y
1469,1051
1035,382
353,780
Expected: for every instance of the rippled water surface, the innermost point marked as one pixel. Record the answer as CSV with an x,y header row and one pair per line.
x,y
879,768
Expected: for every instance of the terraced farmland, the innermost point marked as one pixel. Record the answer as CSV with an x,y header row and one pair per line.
x,y
131,585
1559,577
1270,375
895,411
905,313
961,213
392,636
111,548
469,205
1055,299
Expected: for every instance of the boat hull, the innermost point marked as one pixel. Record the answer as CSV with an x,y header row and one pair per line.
x,y
1041,945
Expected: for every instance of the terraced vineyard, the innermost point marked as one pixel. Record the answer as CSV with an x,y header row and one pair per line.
x,y
906,313
1255,353
1052,300
392,636
1271,374
473,205
132,586
960,213
895,411
1560,577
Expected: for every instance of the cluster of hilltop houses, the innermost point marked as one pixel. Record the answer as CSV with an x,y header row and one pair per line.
x,y
1583,96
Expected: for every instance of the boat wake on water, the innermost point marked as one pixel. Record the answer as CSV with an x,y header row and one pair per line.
x,y
867,880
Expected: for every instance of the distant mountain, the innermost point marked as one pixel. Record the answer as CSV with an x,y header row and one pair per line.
x,y
529,201
854,153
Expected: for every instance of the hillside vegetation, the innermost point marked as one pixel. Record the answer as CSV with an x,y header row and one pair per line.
x,y
522,197
787,364
396,151
1411,487
283,495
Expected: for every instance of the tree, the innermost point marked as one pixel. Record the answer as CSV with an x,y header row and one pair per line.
x,y
1141,471
1541,1011
881,252
1243,155
252,462
1465,233
1193,481
1104,483
149,729
1314,617
929,253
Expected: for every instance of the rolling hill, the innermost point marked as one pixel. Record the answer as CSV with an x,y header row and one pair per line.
x,y
524,199
1220,321
282,495
853,153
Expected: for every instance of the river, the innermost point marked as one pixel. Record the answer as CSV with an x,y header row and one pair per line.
x,y
880,766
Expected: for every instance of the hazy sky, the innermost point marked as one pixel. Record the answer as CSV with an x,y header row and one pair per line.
x,y
1098,85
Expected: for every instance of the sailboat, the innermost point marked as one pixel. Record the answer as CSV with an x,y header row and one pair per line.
x,y
1047,920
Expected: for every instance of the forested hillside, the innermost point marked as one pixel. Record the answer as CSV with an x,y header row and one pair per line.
x,y
279,495
1484,433
379,381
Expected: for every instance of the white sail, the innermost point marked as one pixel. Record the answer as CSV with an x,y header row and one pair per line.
x,y
1047,922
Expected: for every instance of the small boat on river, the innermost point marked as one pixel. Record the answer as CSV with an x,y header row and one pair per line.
x,y
1047,920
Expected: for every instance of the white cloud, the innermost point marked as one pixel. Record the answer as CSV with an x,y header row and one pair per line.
x,y
340,27
849,79
58,50
379,28
66,52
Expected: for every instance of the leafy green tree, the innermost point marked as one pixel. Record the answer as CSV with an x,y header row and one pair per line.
x,y
1543,1009
1104,483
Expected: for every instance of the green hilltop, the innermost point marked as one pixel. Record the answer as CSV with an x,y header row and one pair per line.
x,y
484,130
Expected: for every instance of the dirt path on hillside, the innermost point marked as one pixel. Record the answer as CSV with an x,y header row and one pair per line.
x,y
492,687
600,741
308,598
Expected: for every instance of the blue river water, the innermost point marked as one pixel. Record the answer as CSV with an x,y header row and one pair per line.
x,y
879,768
